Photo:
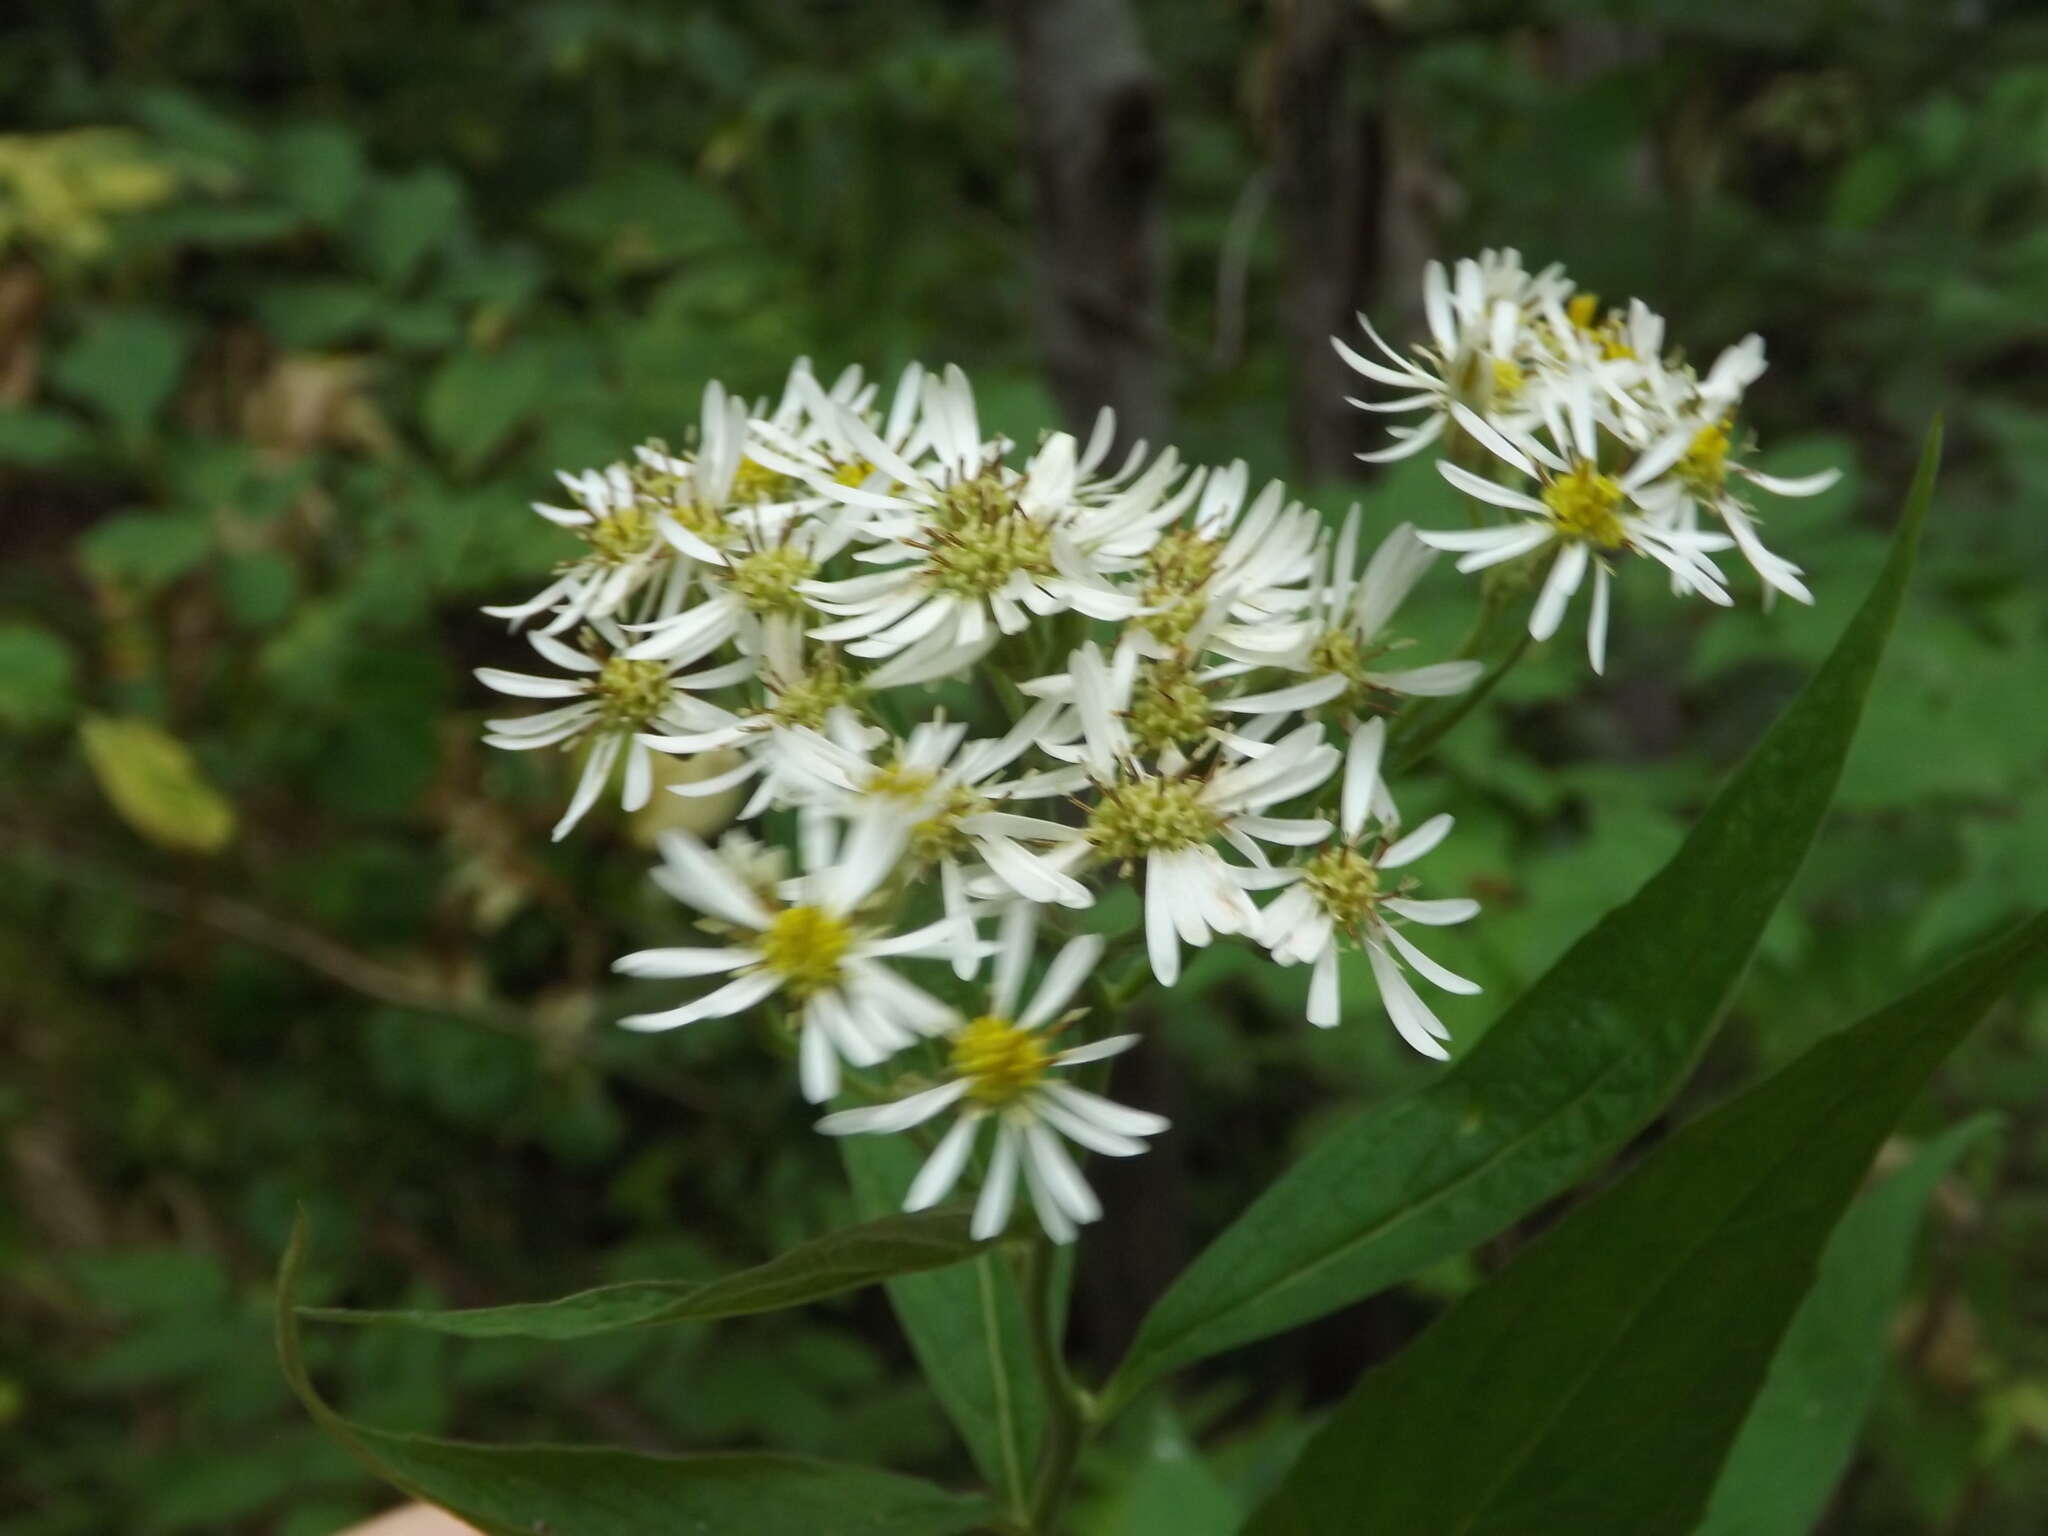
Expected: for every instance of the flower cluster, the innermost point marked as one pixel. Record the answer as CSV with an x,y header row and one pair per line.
x,y
1578,422
1186,688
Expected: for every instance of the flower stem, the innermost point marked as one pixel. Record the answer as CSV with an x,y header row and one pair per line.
x,y
1068,1410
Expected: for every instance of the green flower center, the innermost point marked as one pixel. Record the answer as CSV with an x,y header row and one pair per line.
x,y
1001,1062
766,580
808,699
1175,572
632,693
1344,883
1584,504
1151,816
1167,709
804,946
753,484
979,538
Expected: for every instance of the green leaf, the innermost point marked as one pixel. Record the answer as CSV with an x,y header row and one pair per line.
x,y
35,676
1597,1382
966,1327
1568,1074
124,365
148,549
842,1261
40,438
477,399
573,1491
407,219
1802,1428
153,782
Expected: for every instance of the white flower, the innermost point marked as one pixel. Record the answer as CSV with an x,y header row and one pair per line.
x,y
1585,512
1169,822
975,550
1339,895
620,705
813,948
624,550
1482,336
1225,565
1001,1068
946,790
1342,638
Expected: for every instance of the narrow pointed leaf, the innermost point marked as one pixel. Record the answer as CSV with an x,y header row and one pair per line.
x,y
841,1261
1597,1383
1801,1430
514,1490
1569,1073
966,1327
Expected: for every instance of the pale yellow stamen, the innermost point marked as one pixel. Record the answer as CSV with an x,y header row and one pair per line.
x,y
1000,1061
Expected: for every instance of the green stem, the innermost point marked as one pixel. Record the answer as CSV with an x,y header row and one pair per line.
x,y
1417,746
1067,1408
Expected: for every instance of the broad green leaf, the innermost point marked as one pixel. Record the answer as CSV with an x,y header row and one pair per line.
x,y
124,365
155,785
507,1490
1597,1382
1571,1071
842,1261
35,676
966,1327
1802,1428
40,438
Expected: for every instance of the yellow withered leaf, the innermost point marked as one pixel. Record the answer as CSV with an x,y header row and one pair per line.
x,y
156,786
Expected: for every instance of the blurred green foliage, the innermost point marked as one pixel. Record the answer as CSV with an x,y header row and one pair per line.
x,y
300,305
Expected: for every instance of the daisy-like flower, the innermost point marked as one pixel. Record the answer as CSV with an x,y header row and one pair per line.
x,y
812,947
624,551
1340,896
947,791
621,706
1481,339
1712,463
974,549
1587,514
1170,822
743,584
1343,638
1225,564
1001,1069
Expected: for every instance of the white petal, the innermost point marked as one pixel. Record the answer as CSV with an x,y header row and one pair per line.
x,y
735,996
1417,843
1566,572
998,1188
672,963
1070,967
881,1119
1427,968
941,1171
1410,1015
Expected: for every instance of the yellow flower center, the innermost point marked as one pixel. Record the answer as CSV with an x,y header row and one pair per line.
x,y
855,472
1584,504
1344,883
939,834
766,580
1584,313
804,946
1150,816
1704,463
901,783
754,483
632,693
618,536
1001,1062
1508,378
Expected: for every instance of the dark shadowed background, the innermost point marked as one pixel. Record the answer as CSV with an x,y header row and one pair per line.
x,y
301,303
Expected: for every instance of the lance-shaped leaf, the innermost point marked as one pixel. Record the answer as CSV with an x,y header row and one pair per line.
x,y
966,1327
513,1490
1577,1066
1801,1430
825,1266
1598,1381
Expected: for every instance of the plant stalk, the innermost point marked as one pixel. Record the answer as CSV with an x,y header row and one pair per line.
x,y
1068,1411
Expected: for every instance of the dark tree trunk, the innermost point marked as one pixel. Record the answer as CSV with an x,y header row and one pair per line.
x,y
1353,196
1091,120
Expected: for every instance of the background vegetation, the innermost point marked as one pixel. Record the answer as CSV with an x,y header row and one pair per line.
x,y
300,304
